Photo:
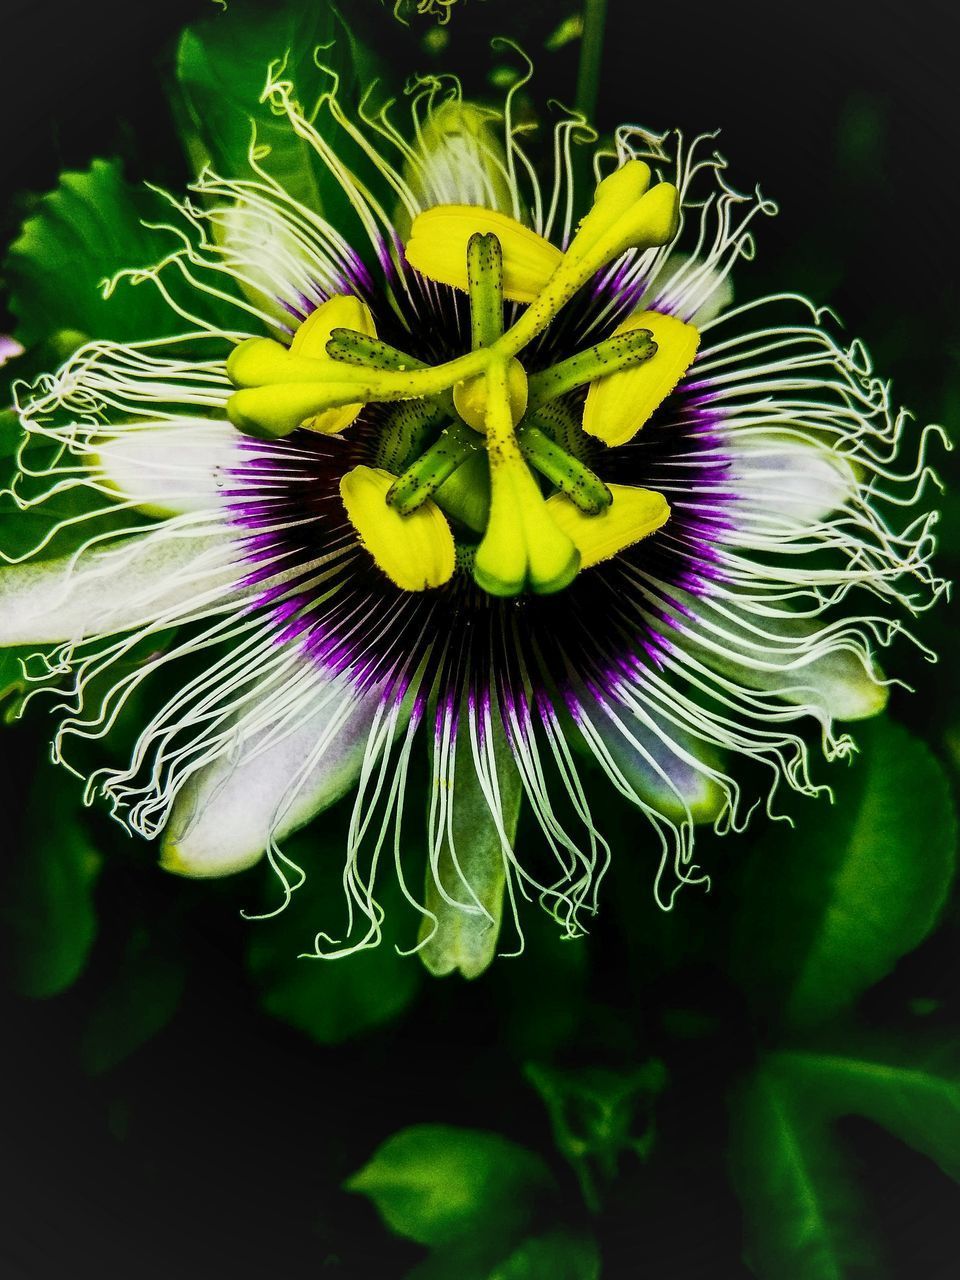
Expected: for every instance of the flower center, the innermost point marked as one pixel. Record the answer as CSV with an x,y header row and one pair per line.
x,y
476,447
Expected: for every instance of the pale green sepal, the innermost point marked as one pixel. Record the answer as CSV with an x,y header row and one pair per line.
x,y
459,157
661,776
833,683
471,868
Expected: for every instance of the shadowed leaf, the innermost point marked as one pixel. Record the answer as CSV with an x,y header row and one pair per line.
x,y
802,1216
830,906
561,1255
598,1115
139,1003
912,1089
328,1000
51,920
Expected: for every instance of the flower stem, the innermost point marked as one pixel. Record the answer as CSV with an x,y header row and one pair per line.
x,y
591,56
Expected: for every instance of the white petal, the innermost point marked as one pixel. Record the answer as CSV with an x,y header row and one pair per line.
x,y
225,816
10,348
169,468
114,586
798,482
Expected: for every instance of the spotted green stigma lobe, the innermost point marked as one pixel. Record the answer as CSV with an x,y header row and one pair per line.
x,y
485,286
585,489
623,350
425,476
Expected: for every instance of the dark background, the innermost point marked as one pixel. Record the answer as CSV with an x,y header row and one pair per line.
x,y
218,1148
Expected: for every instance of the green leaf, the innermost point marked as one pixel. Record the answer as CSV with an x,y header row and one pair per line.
x,y
829,907
51,919
328,1000
10,432
222,65
803,1219
561,1255
81,234
460,940
911,1088
140,1002
439,1185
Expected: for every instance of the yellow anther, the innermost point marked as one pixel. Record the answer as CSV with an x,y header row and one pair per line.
x,y
619,220
416,551
438,249
632,515
620,403
470,397
281,387
614,197
343,311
